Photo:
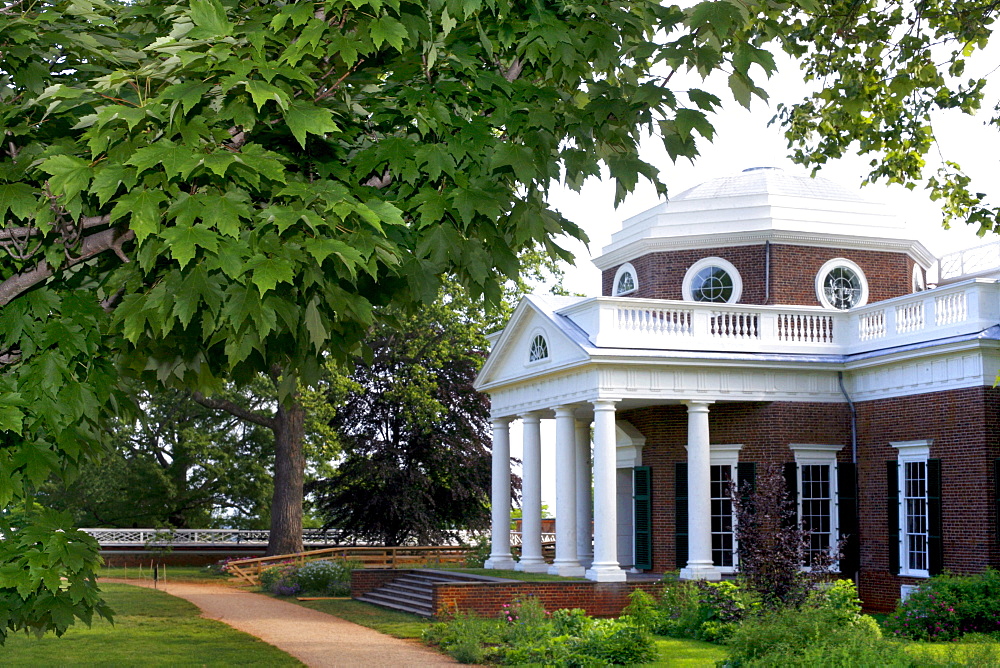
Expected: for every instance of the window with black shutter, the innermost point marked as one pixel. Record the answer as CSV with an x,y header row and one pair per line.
x,y
642,499
681,513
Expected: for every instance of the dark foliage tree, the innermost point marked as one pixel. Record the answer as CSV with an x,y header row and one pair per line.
x,y
178,464
415,434
772,545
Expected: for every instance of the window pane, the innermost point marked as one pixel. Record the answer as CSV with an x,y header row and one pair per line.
x,y
722,516
712,284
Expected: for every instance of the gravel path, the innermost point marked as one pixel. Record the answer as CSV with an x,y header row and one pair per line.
x,y
314,638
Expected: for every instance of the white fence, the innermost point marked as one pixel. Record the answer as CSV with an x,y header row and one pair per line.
x,y
200,537
616,322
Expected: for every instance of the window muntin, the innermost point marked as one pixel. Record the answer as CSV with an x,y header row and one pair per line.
x,y
625,280
816,506
840,284
914,516
722,516
712,284
539,349
712,280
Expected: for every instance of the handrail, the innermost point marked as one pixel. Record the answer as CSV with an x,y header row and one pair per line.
x,y
249,570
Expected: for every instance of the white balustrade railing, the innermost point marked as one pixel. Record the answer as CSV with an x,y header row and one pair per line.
x,y
617,322
970,261
201,537
547,537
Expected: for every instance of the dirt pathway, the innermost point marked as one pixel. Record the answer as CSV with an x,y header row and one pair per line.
x,y
314,638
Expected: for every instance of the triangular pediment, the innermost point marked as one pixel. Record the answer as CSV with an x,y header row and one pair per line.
x,y
510,360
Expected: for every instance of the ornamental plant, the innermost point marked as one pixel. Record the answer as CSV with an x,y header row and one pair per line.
x,y
947,606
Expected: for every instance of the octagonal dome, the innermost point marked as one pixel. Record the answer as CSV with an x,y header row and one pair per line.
x,y
757,205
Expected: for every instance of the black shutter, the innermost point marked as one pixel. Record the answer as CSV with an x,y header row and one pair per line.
x,y
746,480
892,513
642,487
935,546
791,471
996,494
681,513
847,518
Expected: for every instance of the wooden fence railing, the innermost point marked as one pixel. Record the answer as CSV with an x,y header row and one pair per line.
x,y
249,570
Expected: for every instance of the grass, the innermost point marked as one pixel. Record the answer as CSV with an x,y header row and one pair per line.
x,y
151,628
390,622
961,653
677,653
168,573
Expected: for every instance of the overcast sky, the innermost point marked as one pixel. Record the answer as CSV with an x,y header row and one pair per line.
x,y
745,140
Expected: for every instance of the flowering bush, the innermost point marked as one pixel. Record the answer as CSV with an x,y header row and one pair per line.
x,y
322,577
947,607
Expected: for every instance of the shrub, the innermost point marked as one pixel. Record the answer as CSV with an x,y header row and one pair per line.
x,y
465,637
810,636
321,577
476,558
841,597
703,610
612,641
948,606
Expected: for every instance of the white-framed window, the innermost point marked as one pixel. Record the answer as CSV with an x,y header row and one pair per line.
x,y
538,350
914,520
723,476
841,284
625,280
918,280
816,465
712,279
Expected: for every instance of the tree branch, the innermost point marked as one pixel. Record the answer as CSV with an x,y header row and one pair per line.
x,y
235,410
95,244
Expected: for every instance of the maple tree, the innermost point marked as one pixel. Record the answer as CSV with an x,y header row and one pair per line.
x,y
206,191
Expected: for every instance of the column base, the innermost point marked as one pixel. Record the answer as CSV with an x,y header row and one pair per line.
x,y
532,566
606,574
569,569
586,560
700,572
500,563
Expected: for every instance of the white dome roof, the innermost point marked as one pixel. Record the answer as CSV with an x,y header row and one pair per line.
x,y
769,180
757,205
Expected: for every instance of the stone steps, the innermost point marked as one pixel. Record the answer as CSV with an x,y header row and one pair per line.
x,y
413,592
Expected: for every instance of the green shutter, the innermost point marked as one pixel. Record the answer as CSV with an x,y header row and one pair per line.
x,y
791,471
681,513
847,518
935,546
892,513
642,498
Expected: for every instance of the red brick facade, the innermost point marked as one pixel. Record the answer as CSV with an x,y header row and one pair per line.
x,y
964,426
792,273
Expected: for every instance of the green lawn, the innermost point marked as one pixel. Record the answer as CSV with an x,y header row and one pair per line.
x,y
510,575
168,573
390,622
151,629
677,653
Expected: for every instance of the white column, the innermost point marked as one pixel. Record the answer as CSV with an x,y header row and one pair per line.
x,y
500,557
584,503
531,497
566,563
699,565
605,566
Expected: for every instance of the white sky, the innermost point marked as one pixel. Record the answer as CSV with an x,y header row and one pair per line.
x,y
744,140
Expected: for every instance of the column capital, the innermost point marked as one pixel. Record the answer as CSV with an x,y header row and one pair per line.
x,y
697,405
605,404
502,421
565,411
531,416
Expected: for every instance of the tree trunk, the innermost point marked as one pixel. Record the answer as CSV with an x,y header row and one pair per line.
x,y
289,469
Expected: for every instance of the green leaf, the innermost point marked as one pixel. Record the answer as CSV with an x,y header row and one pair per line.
x,y
144,207
108,178
175,160
18,198
210,18
184,240
262,93
314,325
387,29
303,118
70,175
267,272
11,419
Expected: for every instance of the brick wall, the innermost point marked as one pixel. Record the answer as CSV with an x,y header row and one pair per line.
x,y
366,579
964,427
963,424
763,428
793,272
598,599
